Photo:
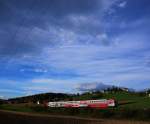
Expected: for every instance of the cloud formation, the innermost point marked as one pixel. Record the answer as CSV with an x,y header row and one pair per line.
x,y
44,44
94,86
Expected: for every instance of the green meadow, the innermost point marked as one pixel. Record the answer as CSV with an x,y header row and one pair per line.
x,y
134,106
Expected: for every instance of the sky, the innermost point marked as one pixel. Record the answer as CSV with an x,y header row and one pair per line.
x,y
66,45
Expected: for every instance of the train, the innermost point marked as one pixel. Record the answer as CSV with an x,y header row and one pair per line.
x,y
100,103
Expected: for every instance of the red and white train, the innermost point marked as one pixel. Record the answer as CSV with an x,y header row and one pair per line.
x,y
101,103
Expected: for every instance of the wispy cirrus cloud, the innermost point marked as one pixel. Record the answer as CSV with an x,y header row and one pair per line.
x,y
56,44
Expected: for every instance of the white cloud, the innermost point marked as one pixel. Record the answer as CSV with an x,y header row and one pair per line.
x,y
107,4
48,81
37,70
2,97
90,53
122,4
92,62
87,87
40,70
91,86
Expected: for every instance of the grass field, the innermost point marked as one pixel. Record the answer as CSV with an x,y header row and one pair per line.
x,y
131,106
135,101
132,100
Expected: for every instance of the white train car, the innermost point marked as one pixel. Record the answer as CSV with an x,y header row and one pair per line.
x,y
101,103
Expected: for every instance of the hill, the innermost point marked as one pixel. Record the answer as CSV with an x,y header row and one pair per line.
x,y
131,105
41,98
93,94
125,97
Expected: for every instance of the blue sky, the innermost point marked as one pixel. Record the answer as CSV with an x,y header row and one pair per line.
x,y
60,45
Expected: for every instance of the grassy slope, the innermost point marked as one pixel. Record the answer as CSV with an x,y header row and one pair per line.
x,y
134,102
